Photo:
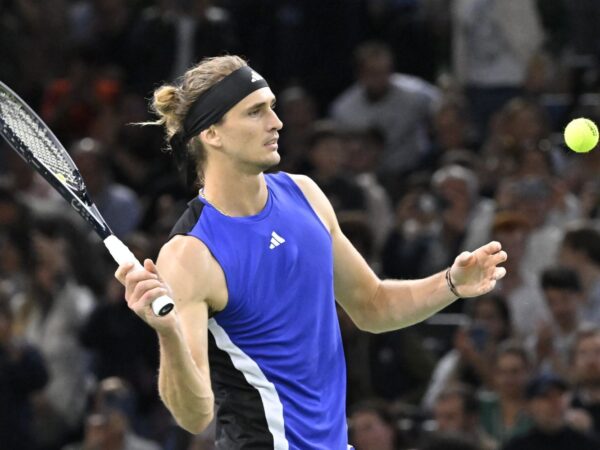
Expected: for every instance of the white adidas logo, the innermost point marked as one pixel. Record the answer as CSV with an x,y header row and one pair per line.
x,y
276,240
255,77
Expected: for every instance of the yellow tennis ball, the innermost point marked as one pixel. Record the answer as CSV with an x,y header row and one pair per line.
x,y
581,135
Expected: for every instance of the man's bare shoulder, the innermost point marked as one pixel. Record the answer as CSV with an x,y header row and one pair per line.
x,y
189,267
317,199
188,248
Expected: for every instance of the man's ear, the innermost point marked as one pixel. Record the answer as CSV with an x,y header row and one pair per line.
x,y
211,136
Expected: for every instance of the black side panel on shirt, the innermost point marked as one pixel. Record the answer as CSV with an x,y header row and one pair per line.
x,y
188,219
241,420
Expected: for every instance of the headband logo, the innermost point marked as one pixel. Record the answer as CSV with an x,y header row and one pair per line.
x,y
255,77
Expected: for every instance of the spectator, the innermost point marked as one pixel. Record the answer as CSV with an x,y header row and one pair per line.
x,y
22,373
122,347
466,216
452,131
585,358
118,204
580,249
298,110
520,288
471,360
547,404
327,158
400,105
417,222
494,42
50,315
533,197
456,411
364,152
462,220
108,426
371,427
551,346
504,411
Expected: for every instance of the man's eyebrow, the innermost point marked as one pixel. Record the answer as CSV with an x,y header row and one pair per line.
x,y
259,104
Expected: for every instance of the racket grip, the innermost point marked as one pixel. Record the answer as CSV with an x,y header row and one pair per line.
x,y
121,254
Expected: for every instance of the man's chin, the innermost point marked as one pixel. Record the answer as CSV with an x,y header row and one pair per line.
x,y
270,163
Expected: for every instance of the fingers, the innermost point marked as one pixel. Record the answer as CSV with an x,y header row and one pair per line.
x,y
122,272
150,266
143,287
492,247
499,257
147,297
464,259
499,273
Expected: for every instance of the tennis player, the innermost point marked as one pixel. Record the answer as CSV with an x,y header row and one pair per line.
x,y
255,266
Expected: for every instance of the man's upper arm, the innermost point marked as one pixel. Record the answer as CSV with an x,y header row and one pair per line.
x,y
355,282
196,281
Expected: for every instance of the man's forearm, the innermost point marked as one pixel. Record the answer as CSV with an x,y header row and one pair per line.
x,y
400,303
184,389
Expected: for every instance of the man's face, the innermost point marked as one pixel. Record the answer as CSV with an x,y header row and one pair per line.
x,y
327,156
548,410
563,306
511,375
248,132
374,76
587,361
369,432
449,415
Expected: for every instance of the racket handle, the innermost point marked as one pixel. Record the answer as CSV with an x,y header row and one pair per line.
x,y
121,254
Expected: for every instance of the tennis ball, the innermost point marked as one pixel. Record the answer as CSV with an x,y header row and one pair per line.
x,y
581,135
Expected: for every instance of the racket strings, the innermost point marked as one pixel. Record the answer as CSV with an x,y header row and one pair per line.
x,y
24,126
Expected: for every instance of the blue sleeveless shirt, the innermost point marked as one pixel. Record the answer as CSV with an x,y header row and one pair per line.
x,y
275,351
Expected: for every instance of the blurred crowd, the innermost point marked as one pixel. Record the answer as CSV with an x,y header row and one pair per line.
x,y
433,126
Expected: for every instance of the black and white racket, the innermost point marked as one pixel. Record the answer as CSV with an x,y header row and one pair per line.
x,y
31,138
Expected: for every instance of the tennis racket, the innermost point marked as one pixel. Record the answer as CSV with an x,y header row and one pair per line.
x,y
31,138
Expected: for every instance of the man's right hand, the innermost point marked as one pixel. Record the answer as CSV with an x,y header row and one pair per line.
x,y
142,287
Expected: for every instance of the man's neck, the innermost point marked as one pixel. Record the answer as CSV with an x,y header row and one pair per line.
x,y
235,194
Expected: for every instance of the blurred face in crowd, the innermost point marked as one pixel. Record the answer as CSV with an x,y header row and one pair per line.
x,y
527,125
370,432
563,305
374,76
486,313
449,414
548,410
510,375
587,361
298,111
105,431
363,153
327,156
450,128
